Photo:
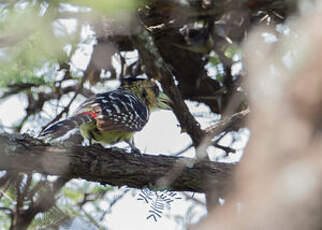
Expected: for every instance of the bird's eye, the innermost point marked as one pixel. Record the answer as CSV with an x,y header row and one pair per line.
x,y
156,91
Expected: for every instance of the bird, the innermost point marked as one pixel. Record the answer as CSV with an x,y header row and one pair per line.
x,y
114,116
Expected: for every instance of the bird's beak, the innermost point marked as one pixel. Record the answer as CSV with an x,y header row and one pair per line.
x,y
164,102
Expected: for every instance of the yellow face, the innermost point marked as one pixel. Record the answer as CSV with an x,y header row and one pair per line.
x,y
149,92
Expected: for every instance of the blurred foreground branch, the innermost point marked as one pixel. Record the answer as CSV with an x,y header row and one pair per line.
x,y
278,184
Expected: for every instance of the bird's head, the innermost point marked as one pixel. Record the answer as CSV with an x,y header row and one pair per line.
x,y
148,91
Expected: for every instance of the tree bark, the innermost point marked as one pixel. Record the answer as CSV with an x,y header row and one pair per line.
x,y
113,166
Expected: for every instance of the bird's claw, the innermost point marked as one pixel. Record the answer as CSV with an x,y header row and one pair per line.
x,y
136,151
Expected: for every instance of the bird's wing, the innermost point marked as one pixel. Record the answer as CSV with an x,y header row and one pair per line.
x,y
116,110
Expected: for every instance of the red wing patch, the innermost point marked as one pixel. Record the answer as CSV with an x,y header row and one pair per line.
x,y
92,114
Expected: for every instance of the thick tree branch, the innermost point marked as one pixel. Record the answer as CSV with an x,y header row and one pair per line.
x,y
113,166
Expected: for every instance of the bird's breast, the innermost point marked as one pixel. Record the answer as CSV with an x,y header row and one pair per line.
x,y
90,131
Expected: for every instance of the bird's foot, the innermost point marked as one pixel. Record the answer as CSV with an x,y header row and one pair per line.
x,y
135,150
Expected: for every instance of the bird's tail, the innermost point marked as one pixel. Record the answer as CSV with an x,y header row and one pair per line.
x,y
61,128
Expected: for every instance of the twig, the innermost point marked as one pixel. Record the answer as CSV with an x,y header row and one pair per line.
x,y
113,202
227,122
17,88
66,109
193,199
225,148
90,218
183,150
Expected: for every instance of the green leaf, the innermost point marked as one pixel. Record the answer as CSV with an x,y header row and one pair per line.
x,y
73,194
214,60
231,50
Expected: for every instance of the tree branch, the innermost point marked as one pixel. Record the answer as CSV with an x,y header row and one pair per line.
x,y
113,166
227,123
157,68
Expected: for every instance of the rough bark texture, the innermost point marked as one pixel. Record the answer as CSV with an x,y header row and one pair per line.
x,y
113,166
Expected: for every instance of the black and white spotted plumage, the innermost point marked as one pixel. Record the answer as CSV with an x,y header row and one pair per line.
x,y
117,110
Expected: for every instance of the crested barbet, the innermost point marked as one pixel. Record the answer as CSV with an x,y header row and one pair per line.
x,y
114,116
